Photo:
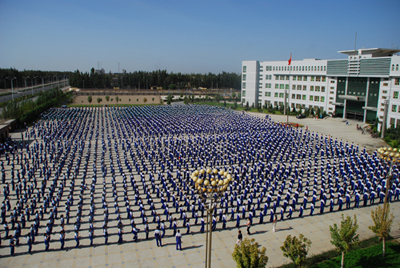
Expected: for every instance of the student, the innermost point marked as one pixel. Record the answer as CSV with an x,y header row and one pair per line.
x,y
248,224
274,224
240,237
178,237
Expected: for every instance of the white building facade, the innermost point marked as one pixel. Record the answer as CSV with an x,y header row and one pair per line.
x,y
358,87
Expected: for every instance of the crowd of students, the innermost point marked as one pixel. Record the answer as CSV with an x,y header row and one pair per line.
x,y
87,174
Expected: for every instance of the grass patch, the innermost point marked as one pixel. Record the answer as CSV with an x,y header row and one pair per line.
x,y
315,260
367,257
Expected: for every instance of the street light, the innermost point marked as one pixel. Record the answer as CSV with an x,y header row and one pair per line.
x,y
211,184
43,77
12,86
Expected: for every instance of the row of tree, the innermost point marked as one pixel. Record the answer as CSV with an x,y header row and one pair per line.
x,y
249,254
32,77
159,78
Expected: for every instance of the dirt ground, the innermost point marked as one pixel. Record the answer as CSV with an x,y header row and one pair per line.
x,y
124,99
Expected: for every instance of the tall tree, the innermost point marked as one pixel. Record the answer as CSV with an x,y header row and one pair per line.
x,y
383,221
296,249
345,237
89,99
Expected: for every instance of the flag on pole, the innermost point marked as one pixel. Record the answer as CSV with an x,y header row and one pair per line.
x,y
290,60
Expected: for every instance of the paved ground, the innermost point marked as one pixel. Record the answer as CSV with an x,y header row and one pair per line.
x,y
147,254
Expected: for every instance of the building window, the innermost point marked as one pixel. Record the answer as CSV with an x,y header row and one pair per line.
x,y
394,108
286,77
397,67
267,94
322,89
243,93
392,67
318,79
311,98
276,94
395,95
312,78
293,96
298,87
304,78
293,87
311,88
281,95
316,98
298,96
244,69
276,86
324,68
244,77
267,85
385,84
299,78
282,86
304,88
396,81
317,88
304,97
287,86
294,78
244,85
323,79
322,99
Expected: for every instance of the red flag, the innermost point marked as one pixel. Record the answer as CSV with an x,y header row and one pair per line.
x,y
290,60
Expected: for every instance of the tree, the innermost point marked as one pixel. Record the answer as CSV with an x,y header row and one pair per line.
x,y
117,99
344,238
224,103
382,224
169,99
99,100
145,100
217,98
235,105
247,255
247,106
89,99
233,95
296,249
107,98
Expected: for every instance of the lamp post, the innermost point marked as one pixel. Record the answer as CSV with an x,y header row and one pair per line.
x,y
211,184
392,156
12,86
43,77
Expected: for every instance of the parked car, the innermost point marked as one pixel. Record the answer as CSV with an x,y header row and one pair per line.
x,y
300,116
64,106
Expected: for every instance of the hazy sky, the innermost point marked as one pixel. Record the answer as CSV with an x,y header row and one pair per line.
x,y
187,36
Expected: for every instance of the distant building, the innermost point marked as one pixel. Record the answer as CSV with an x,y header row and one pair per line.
x,y
356,88
101,71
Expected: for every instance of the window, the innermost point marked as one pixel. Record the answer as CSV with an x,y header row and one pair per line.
x,y
298,96
323,79
396,81
394,108
322,99
287,77
267,94
392,67
299,78
322,89
304,78
395,95
287,86
244,77
324,68
282,77
243,93
276,94
281,86
244,85
311,88
281,95
293,87
304,97
332,81
316,98
276,77
385,84
244,69
293,96
294,78
261,77
317,88
397,67
298,87
311,98
312,78
267,85
318,78
276,86
304,88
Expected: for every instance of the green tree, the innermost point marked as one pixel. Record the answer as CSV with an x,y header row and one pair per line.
x,y
234,95
345,237
172,86
186,100
107,98
89,99
235,105
224,103
99,100
248,255
145,100
383,221
117,99
247,106
169,99
296,249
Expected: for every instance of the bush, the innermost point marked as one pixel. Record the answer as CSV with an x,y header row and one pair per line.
x,y
247,255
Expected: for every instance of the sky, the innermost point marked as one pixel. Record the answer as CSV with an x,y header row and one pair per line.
x,y
187,36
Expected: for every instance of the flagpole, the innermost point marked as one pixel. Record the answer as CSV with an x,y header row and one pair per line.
x,y
288,95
